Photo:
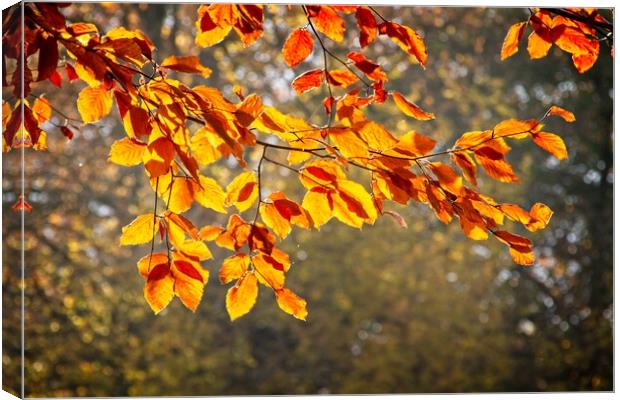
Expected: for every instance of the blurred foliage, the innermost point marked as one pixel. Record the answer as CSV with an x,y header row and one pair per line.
x,y
391,310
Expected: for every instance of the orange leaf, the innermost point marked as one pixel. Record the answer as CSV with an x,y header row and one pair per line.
x,y
42,109
214,23
159,288
298,47
465,162
370,69
292,304
410,109
150,261
564,114
537,47
540,215
241,298
341,77
308,81
511,42
189,64
448,179
327,21
407,39
551,143
498,169
414,144
189,281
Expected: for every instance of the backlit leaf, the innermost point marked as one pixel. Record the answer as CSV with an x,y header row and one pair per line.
x,y
410,109
511,41
94,103
292,304
298,47
189,64
242,192
241,298
564,114
551,143
141,230
127,152
308,81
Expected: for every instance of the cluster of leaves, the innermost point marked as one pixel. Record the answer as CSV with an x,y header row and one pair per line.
x,y
577,31
175,132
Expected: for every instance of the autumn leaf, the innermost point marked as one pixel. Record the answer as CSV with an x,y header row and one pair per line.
x,y
308,81
241,298
141,230
234,267
292,304
189,64
159,288
298,47
367,25
242,192
564,114
209,194
42,109
410,109
94,103
551,143
189,281
407,39
127,152
341,77
327,21
511,41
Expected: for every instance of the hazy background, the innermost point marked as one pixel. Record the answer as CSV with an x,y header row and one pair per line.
x,y
390,310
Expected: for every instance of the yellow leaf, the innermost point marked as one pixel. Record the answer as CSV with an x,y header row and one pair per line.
x,y
242,192
241,298
141,230
234,267
269,270
317,205
210,194
272,218
180,195
127,152
94,103
195,248
292,304
353,205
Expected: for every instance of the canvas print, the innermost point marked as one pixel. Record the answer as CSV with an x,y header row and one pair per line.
x,y
263,199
